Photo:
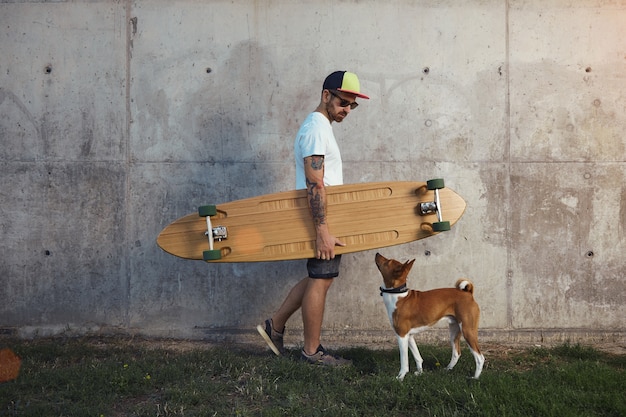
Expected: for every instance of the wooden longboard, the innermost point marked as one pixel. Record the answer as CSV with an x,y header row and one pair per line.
x,y
278,226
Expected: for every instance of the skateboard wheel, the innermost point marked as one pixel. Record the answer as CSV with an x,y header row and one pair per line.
x,y
435,184
204,211
441,226
212,255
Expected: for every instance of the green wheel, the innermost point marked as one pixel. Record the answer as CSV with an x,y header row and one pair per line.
x,y
204,211
441,226
435,184
212,255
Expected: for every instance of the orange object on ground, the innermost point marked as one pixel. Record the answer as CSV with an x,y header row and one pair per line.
x,y
9,365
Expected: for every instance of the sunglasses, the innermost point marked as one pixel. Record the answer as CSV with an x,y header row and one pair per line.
x,y
344,103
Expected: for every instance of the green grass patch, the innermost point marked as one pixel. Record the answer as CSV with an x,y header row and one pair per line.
x,y
125,377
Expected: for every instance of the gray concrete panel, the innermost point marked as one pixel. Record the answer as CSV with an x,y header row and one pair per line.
x,y
62,81
63,250
567,78
568,237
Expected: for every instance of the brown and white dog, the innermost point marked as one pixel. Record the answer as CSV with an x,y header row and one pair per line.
x,y
412,311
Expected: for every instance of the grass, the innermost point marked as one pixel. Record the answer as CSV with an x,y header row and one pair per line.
x,y
126,377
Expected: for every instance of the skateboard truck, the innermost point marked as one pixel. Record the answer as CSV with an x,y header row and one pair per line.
x,y
212,233
219,232
430,207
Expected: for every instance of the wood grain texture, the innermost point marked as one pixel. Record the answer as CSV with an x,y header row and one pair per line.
x,y
278,226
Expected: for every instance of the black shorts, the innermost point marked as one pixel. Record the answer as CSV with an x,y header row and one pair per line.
x,y
320,268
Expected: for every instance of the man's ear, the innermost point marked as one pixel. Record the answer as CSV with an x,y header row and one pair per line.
x,y
326,96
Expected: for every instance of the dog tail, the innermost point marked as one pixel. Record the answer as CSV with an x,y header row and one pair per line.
x,y
465,285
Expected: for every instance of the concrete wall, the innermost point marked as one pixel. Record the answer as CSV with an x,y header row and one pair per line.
x,y
117,117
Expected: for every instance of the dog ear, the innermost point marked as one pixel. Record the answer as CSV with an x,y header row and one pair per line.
x,y
408,265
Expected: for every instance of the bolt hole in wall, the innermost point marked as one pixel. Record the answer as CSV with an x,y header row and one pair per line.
x,y
48,69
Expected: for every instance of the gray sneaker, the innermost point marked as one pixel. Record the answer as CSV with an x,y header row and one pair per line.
x,y
322,357
273,339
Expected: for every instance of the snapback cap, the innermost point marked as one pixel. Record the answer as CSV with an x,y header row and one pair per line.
x,y
344,81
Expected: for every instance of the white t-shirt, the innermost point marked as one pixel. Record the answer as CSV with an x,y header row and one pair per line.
x,y
316,137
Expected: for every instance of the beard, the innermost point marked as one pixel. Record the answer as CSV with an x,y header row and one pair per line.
x,y
335,116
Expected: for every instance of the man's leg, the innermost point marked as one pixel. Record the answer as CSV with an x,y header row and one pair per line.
x,y
274,328
313,304
290,305
310,294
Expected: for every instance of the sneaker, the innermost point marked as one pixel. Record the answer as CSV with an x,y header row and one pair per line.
x,y
322,357
273,339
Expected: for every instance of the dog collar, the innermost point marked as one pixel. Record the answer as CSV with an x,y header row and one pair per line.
x,y
400,290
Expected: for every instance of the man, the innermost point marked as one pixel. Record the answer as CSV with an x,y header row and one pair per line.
x,y
318,164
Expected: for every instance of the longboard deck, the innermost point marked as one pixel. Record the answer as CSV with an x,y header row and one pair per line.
x,y
278,226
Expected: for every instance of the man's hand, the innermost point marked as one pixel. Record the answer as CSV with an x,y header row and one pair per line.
x,y
325,244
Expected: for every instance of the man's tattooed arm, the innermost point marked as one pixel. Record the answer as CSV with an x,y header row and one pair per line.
x,y
314,170
316,204
325,242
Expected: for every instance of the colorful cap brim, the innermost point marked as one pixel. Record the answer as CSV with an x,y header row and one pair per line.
x,y
361,95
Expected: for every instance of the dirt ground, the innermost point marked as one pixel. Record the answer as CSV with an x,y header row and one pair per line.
x,y
613,345
489,348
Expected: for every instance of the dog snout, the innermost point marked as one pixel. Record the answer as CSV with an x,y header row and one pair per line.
x,y
379,259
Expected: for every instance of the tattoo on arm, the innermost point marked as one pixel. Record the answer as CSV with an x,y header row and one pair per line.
x,y
316,204
317,162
